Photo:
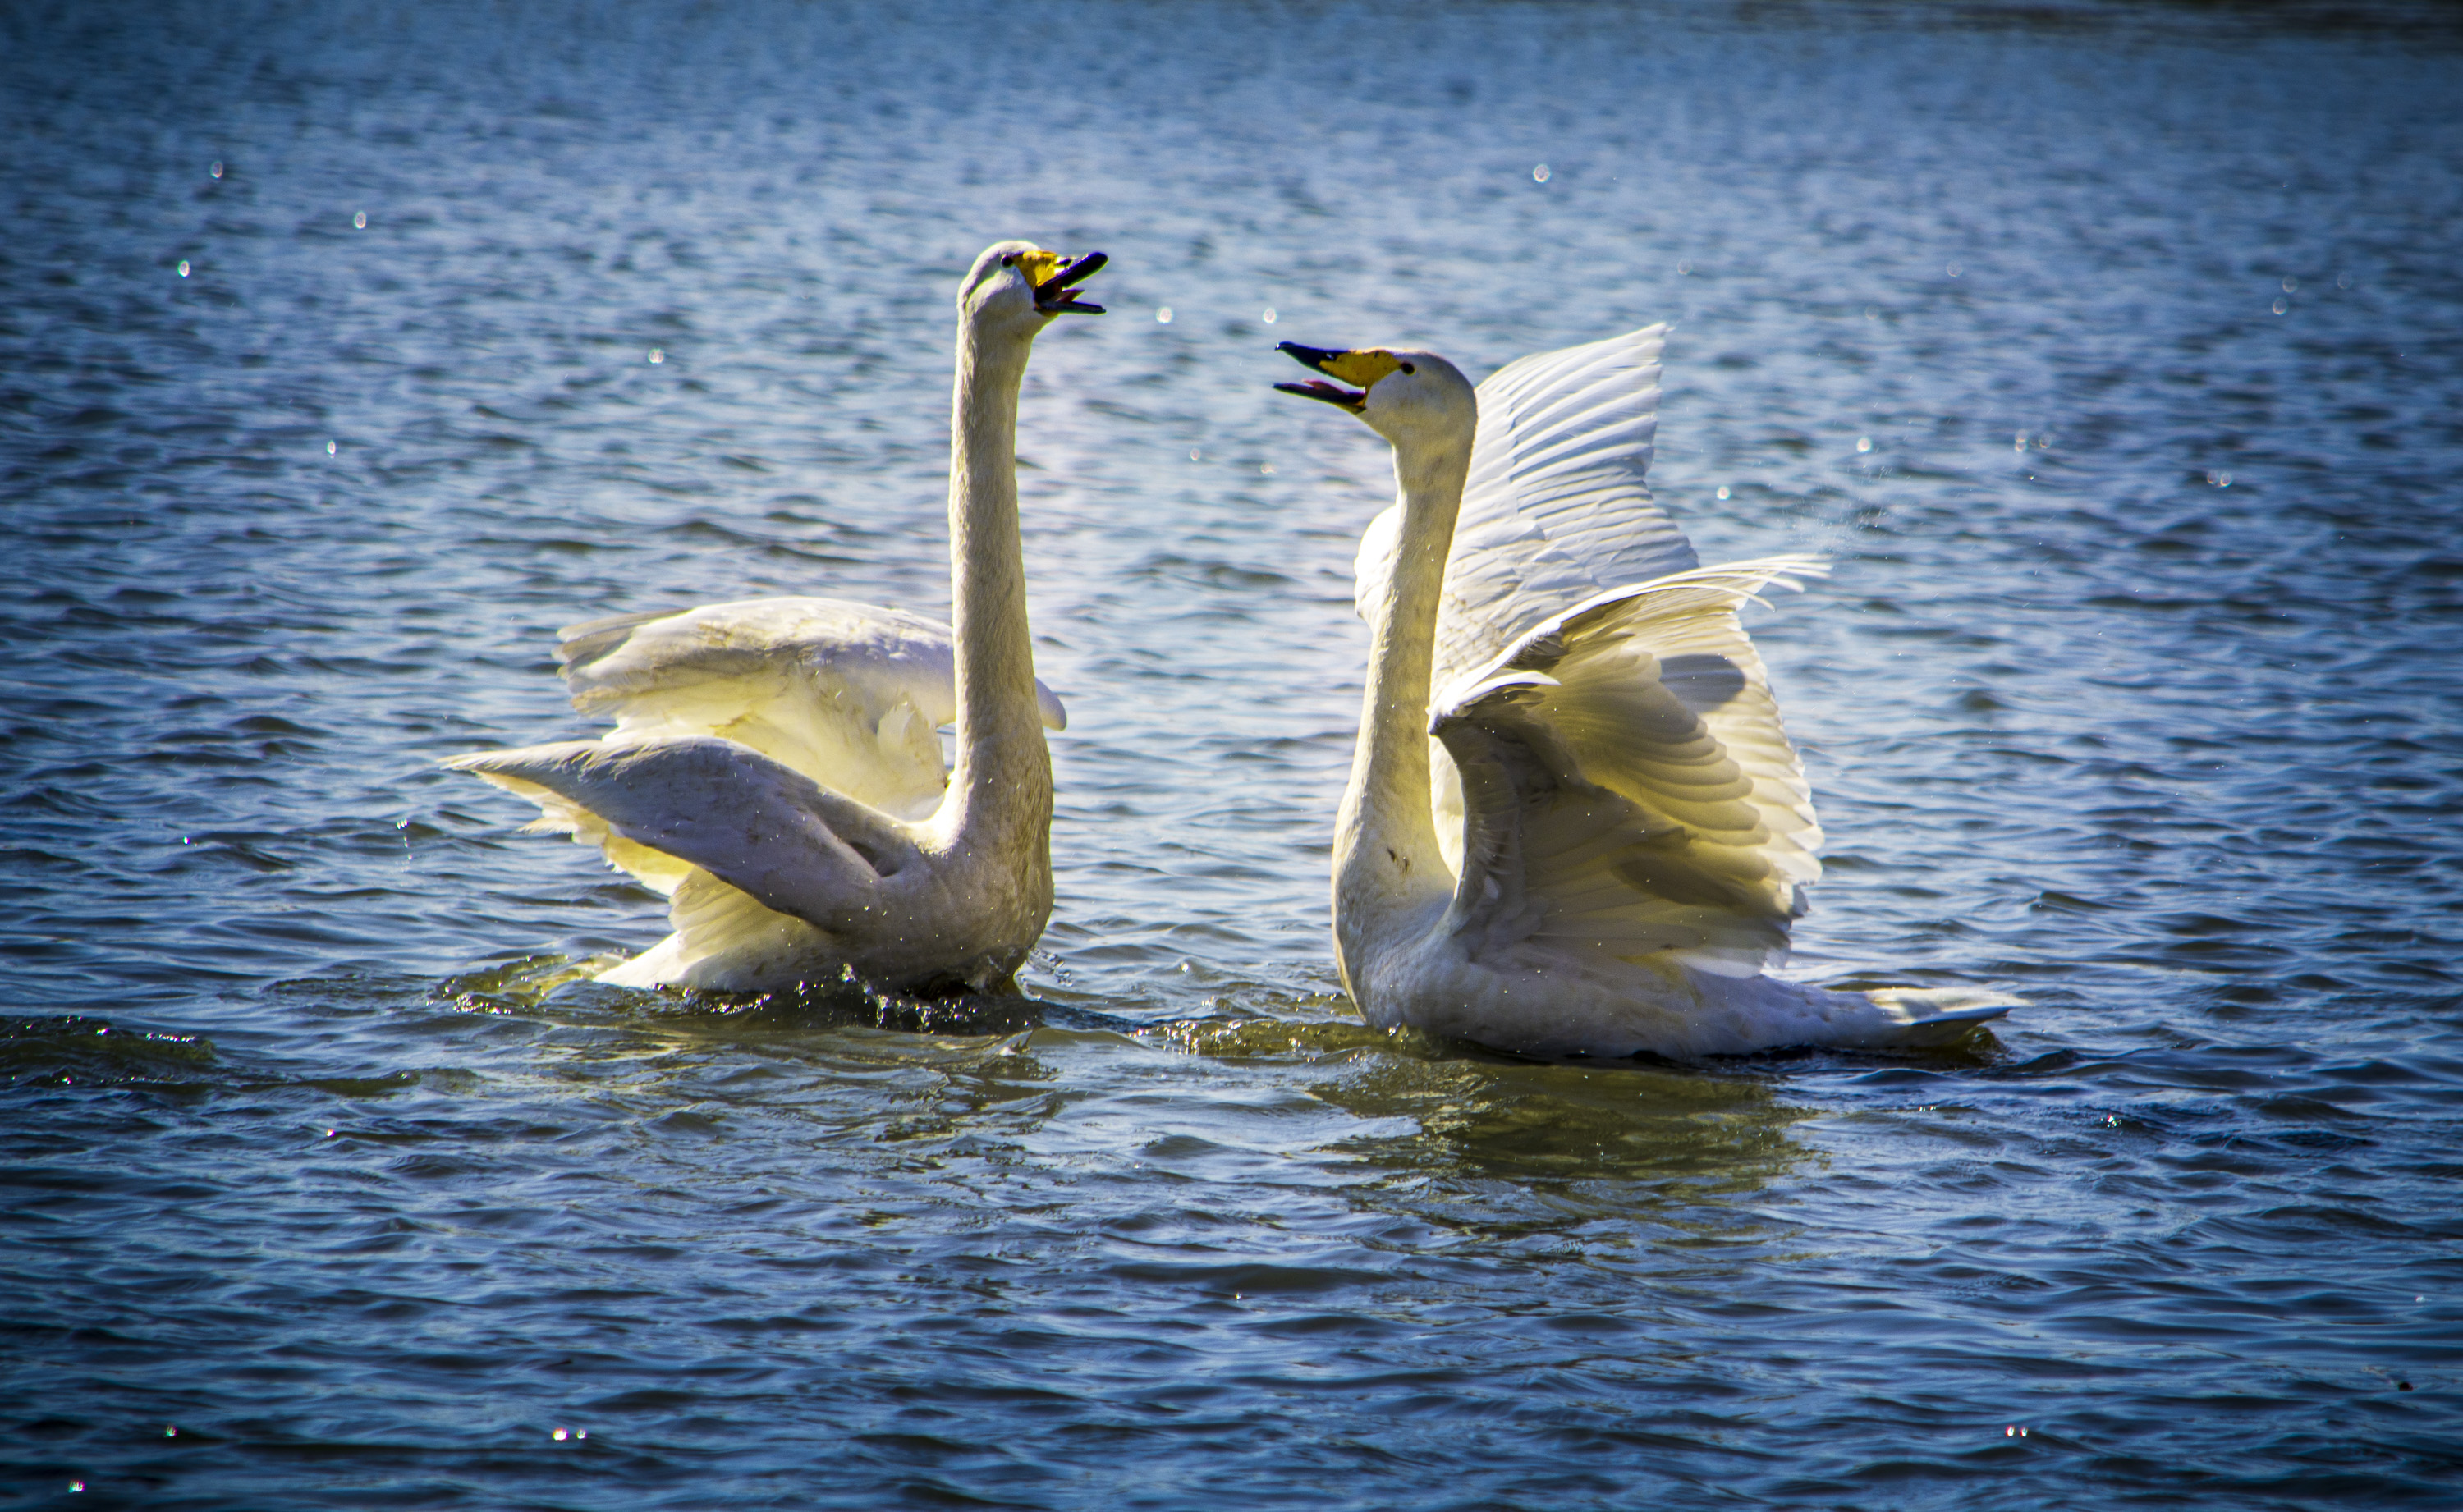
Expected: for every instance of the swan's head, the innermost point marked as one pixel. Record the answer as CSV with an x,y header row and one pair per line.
x,y
1409,398
1019,286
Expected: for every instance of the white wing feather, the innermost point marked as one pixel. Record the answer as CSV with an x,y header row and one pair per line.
x,y
1629,787
700,801
847,693
1555,510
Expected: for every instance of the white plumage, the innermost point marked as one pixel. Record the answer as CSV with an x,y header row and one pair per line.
x,y
1602,843
775,766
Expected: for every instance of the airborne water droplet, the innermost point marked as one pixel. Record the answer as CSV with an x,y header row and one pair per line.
x,y
1539,174
1163,316
360,220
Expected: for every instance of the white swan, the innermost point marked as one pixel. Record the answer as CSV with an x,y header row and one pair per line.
x,y
1607,838
775,770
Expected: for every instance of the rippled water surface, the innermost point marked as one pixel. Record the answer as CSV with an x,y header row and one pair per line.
x,y
2116,356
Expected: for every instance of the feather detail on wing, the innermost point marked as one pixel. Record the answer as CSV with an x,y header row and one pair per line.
x,y
1555,510
664,807
1627,788
847,693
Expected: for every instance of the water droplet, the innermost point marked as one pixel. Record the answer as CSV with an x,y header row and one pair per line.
x,y
1539,174
333,448
2342,280
1163,316
183,267
1871,314
1265,470
360,220
76,1485
2290,283
559,1435
170,1433
1192,454
1684,269
2281,305
1863,443
216,170
2010,1432
581,1433
2221,480
1954,270
2018,443
1723,490
658,355
329,1134
1269,317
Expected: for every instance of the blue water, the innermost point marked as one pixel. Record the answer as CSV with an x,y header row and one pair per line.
x,y
2115,355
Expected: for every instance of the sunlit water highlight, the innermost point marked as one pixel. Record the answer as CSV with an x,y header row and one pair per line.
x,y
2116,357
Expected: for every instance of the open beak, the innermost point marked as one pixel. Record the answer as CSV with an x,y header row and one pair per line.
x,y
1054,294
1364,368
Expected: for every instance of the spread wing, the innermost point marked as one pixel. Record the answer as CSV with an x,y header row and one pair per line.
x,y
1555,510
1627,785
849,695
661,805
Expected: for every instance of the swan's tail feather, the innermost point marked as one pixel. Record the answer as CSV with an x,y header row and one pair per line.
x,y
1941,1015
722,937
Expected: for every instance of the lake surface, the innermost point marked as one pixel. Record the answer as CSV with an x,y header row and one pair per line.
x,y
2115,356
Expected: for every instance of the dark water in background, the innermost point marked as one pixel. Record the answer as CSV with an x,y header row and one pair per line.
x,y
306,1158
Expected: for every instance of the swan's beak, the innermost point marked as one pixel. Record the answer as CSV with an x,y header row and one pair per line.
x,y
1052,275
1364,368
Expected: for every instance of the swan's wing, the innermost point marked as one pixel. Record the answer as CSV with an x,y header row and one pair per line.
x,y
663,805
1627,788
847,693
1555,510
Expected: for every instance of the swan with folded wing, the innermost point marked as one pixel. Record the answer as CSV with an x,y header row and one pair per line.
x,y
775,768
1573,824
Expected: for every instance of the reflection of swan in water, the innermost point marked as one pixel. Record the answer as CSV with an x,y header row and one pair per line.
x,y
1609,836
1574,1138
774,767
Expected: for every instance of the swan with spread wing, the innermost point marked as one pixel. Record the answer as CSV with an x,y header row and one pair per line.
x,y
1573,824
775,768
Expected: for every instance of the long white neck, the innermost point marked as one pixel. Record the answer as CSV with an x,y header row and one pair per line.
x,y
1386,863
1000,793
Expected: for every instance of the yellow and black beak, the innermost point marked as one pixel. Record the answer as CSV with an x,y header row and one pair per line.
x,y
1052,274
1364,368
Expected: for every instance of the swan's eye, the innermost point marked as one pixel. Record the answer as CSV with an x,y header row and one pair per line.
x,y
1011,261
1408,368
